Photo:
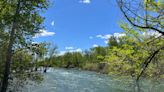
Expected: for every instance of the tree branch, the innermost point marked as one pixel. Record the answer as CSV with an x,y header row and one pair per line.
x,y
148,61
120,3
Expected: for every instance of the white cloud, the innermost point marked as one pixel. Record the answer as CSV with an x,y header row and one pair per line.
x,y
72,50
90,37
107,36
95,45
52,23
106,41
61,53
69,48
117,35
75,50
78,50
44,33
35,42
85,1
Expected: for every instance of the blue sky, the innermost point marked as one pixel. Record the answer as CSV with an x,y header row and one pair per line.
x,y
77,25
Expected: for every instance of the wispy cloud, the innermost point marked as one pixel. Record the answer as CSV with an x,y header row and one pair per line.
x,y
107,36
52,23
95,45
77,50
117,35
35,42
44,33
85,1
61,53
72,50
69,48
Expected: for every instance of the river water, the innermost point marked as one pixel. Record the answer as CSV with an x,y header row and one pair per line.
x,y
62,80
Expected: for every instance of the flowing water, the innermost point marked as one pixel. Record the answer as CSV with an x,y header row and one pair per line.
x,y
62,80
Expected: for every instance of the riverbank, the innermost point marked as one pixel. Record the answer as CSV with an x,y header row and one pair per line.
x,y
95,67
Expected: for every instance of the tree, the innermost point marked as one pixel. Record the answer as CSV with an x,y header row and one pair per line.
x,y
51,53
39,50
126,59
145,14
113,41
67,57
132,53
77,59
12,14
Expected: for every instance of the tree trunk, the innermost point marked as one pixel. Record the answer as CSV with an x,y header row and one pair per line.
x,y
45,70
137,86
36,69
9,52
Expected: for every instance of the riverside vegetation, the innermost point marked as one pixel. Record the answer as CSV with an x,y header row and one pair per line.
x,y
138,53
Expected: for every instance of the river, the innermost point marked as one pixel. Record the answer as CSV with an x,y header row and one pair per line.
x,y
62,80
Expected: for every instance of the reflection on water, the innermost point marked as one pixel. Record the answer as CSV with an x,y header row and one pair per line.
x,y
61,80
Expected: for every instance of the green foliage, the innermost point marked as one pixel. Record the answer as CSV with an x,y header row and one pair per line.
x,y
16,36
154,5
127,57
90,67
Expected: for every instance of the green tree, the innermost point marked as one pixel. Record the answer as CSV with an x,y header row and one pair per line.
x,y
51,53
144,14
77,59
126,59
11,14
132,53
